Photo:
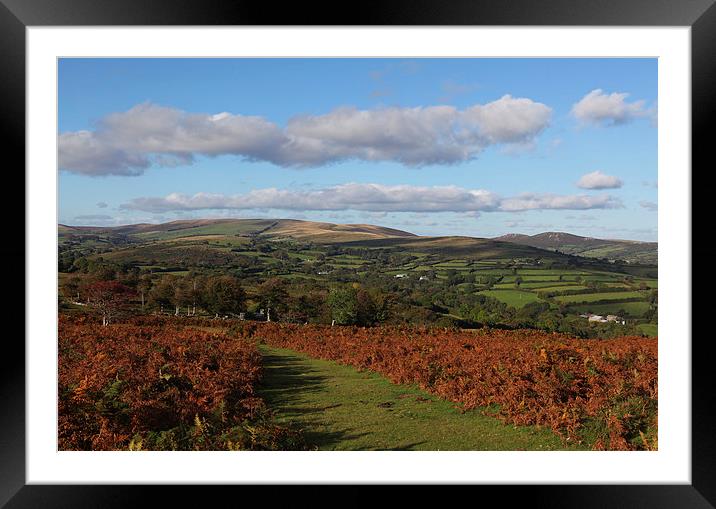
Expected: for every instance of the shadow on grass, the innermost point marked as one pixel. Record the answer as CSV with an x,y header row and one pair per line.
x,y
286,381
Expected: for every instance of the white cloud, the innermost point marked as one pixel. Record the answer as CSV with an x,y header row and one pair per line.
x,y
82,152
582,217
649,205
127,143
599,180
600,108
94,217
366,197
372,198
102,204
94,220
532,201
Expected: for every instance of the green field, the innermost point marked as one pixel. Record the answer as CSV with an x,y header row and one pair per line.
x,y
562,288
229,228
295,251
514,298
592,297
650,329
633,309
341,408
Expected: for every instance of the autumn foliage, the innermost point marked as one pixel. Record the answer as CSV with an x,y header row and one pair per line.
x,y
602,392
160,386
161,383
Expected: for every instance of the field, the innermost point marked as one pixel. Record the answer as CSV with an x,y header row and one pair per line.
x,y
605,391
594,297
341,408
277,334
158,387
631,309
633,252
514,298
201,384
649,329
325,255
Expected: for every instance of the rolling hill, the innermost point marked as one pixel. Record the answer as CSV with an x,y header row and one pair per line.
x,y
271,228
629,250
142,241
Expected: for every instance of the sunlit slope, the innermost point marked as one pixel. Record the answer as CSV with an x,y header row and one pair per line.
x,y
590,247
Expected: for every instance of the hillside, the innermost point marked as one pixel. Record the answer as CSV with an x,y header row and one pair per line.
x,y
590,247
170,241
455,246
271,228
450,280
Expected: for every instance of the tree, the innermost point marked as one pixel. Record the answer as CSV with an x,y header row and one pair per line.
x,y
366,308
343,303
372,306
144,286
453,277
272,296
79,265
182,295
162,294
108,297
71,288
196,289
224,295
102,271
306,307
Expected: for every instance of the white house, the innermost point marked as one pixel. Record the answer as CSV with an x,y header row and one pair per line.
x,y
601,319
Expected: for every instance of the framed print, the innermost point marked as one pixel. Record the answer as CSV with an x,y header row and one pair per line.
x,y
424,246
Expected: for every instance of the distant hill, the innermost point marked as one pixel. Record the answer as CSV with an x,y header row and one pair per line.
x,y
271,228
630,250
139,238
146,241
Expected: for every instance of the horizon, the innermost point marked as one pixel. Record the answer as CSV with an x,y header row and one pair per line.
x,y
435,147
343,224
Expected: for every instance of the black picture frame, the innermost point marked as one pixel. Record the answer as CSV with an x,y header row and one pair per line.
x,y
16,15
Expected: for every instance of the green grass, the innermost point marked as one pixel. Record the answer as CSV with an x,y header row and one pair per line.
x,y
514,298
651,283
592,297
650,329
560,288
550,272
633,309
229,228
542,285
340,408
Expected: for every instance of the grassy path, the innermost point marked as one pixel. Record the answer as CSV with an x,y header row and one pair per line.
x,y
340,408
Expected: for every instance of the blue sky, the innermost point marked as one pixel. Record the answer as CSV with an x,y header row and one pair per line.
x,y
477,147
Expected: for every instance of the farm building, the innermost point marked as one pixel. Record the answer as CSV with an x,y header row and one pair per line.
x,y
602,319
